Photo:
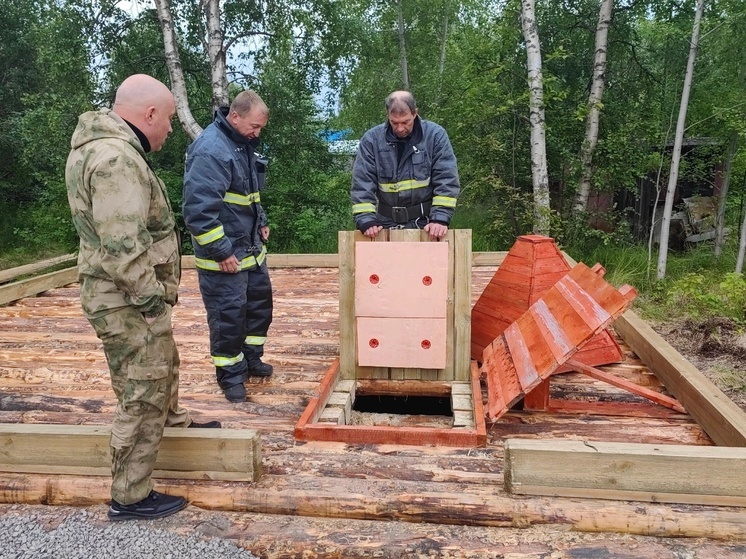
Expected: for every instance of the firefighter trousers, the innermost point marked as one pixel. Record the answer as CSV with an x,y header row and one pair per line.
x,y
239,313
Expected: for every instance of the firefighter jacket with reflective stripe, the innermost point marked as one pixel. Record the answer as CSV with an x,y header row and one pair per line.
x,y
427,172
129,248
222,205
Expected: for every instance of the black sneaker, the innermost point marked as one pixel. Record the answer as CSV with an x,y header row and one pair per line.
x,y
235,393
155,505
259,369
208,425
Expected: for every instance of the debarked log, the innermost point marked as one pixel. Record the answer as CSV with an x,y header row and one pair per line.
x,y
392,500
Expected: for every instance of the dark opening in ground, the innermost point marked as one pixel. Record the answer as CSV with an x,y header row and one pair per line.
x,y
404,405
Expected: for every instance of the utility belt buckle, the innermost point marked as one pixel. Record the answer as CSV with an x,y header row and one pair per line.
x,y
400,214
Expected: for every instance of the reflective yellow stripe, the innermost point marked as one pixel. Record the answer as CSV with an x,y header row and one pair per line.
x,y
206,264
446,201
226,361
251,262
362,208
255,340
246,263
240,199
210,236
403,185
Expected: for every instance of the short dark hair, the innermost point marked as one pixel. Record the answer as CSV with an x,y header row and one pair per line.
x,y
247,100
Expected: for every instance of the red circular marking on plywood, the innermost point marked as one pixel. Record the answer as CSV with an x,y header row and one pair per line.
x,y
373,343
427,280
425,344
374,279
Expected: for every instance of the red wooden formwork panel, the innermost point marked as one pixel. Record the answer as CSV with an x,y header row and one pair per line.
x,y
577,308
401,342
405,280
533,265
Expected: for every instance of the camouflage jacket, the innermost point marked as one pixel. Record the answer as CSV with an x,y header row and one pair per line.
x,y
129,246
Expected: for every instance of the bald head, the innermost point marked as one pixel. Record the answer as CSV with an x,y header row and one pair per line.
x,y
147,104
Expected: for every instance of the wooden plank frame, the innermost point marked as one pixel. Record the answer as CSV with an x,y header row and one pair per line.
x,y
34,267
213,454
33,286
626,471
458,308
309,428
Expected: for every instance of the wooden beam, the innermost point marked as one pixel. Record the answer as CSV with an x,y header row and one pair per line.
x,y
315,407
34,286
718,415
284,261
488,258
29,269
462,304
217,454
626,471
391,499
629,386
385,387
332,260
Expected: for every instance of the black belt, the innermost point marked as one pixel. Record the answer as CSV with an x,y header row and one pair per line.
x,y
404,214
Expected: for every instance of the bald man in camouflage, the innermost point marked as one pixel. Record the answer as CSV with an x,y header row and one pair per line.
x,y
129,270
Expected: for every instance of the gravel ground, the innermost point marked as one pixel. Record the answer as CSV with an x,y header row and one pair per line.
x,y
81,536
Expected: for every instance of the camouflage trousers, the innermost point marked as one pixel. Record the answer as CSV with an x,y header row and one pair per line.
x,y
144,366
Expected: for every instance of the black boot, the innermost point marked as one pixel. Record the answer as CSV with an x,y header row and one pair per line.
x,y
207,425
259,369
155,505
235,393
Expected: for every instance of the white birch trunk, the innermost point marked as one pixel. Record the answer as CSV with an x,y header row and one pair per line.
x,y
216,53
727,172
594,105
539,173
678,141
443,39
402,47
741,247
178,86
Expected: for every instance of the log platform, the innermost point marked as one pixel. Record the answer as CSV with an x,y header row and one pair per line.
x,y
53,371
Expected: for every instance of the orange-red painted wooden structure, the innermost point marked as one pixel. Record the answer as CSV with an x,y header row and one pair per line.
x,y
531,267
579,306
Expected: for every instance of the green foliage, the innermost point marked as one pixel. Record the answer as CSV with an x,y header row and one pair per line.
x,y
307,194
698,296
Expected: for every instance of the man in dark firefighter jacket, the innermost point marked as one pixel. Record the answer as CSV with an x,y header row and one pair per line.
x,y
223,212
405,173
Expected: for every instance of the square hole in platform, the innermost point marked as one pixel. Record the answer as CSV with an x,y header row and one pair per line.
x,y
413,411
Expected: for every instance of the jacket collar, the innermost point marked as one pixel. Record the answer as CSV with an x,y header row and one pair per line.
x,y
144,142
414,138
221,121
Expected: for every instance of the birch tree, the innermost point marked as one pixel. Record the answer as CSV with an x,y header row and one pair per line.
x,y
678,141
443,38
594,105
216,50
173,61
539,173
741,247
722,198
402,46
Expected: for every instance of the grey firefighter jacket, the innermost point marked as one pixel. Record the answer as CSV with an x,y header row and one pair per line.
x,y
222,206
427,173
129,247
